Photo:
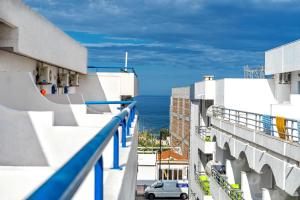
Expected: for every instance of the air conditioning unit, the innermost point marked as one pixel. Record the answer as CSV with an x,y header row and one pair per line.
x,y
44,75
74,79
285,78
63,79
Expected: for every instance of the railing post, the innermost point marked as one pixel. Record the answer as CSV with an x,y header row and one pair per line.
x,y
116,150
99,179
124,129
130,118
132,114
128,125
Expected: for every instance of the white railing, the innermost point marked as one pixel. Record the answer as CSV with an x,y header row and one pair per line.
x,y
263,123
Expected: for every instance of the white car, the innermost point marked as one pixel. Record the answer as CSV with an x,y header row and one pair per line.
x,y
168,188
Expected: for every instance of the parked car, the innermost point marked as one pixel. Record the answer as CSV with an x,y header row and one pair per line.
x,y
167,188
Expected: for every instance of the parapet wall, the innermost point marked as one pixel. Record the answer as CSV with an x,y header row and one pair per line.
x,y
27,33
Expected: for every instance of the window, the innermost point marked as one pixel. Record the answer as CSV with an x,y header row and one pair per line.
x,y
175,174
170,174
180,175
159,185
165,174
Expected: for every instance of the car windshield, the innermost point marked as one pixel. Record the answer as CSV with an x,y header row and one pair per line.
x,y
156,183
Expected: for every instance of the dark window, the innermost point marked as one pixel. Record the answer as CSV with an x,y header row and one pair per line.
x,y
175,174
170,174
160,174
180,175
159,185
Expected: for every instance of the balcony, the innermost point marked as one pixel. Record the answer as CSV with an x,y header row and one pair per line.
x,y
263,140
81,162
204,140
265,130
221,189
204,185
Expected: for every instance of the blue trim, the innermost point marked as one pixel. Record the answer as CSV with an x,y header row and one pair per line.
x,y
116,151
99,179
123,133
107,102
128,126
65,181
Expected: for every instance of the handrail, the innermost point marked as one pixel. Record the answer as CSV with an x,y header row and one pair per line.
x,y
204,133
234,194
256,121
65,181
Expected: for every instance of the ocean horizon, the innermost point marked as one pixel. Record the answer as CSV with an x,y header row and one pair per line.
x,y
153,112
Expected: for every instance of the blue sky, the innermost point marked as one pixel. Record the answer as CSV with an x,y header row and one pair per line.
x,y
173,43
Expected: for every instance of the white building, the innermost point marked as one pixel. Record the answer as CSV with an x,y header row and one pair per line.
x,y
245,137
42,133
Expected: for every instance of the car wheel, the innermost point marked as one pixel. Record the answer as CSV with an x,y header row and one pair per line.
x,y
183,196
151,196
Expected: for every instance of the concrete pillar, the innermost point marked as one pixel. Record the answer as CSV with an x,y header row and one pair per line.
x,y
229,172
266,194
245,187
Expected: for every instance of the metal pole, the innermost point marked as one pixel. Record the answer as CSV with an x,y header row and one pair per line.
x,y
99,179
116,151
124,133
159,171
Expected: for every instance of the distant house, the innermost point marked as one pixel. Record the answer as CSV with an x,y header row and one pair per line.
x,y
171,165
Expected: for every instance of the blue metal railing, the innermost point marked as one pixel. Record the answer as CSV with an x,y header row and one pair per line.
x,y
119,69
65,181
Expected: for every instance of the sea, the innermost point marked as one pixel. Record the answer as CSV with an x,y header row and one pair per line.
x,y
153,112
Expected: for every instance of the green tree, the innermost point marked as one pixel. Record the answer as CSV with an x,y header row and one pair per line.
x,y
164,132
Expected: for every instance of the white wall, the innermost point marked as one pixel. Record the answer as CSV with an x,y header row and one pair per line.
x,y
13,62
91,89
283,59
40,39
20,93
252,95
205,90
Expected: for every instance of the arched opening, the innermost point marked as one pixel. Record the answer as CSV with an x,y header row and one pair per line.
x,y
297,193
227,153
214,139
267,177
249,179
223,154
238,165
268,181
203,159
